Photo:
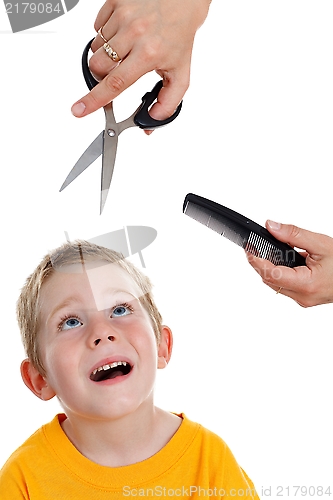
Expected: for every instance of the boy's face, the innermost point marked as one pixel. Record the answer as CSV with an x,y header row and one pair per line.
x,y
90,320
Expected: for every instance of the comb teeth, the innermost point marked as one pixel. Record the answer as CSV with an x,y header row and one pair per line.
x,y
262,248
221,225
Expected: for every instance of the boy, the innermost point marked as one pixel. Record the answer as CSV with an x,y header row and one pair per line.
x,y
94,338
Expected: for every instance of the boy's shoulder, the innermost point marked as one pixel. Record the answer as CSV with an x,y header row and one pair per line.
x,y
216,454
207,446
203,434
31,450
196,432
30,462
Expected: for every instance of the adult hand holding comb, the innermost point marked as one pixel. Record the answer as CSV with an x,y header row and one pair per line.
x,y
306,277
308,285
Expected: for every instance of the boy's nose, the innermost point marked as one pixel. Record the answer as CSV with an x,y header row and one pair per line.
x,y
111,338
101,331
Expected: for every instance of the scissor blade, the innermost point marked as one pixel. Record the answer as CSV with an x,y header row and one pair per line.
x,y
89,156
109,157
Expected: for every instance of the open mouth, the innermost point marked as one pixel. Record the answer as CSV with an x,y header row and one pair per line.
x,y
113,370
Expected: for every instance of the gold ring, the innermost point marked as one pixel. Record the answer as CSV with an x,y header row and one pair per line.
x,y
111,53
279,290
101,34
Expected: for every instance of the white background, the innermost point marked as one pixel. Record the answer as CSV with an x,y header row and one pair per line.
x,y
255,134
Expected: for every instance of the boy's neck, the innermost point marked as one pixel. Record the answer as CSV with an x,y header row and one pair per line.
x,y
124,441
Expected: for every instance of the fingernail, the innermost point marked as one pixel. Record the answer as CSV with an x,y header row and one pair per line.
x,y
274,225
78,109
148,132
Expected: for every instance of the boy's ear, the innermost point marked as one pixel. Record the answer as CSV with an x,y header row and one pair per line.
x,y
35,381
164,349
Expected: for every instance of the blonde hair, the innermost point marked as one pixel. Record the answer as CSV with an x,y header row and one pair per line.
x,y
73,253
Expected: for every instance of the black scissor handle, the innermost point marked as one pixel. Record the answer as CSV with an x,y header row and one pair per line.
x,y
89,79
142,117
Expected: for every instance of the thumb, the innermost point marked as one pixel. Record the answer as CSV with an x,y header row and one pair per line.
x,y
294,236
175,84
168,99
166,104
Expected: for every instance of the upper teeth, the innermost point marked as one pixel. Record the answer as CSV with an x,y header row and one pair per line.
x,y
107,367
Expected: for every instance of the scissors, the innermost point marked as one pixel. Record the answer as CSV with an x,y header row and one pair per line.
x,y
106,142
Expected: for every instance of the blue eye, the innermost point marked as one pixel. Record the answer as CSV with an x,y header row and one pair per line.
x,y
70,323
121,311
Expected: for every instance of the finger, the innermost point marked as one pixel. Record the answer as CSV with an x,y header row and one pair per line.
x,y
303,254
293,279
279,289
101,63
301,299
168,99
313,243
108,31
108,89
170,96
104,14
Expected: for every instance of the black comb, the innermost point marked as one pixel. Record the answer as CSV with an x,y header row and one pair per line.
x,y
254,238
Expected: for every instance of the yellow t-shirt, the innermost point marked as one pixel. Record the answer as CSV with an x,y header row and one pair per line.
x,y
195,463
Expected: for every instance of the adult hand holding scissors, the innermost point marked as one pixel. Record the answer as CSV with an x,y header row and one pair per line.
x,y
143,35
308,285
106,142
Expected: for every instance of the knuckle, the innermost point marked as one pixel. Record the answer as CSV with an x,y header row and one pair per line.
x,y
124,15
138,27
114,83
150,52
294,231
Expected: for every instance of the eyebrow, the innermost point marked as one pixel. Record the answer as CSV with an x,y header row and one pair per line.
x,y
66,303
114,291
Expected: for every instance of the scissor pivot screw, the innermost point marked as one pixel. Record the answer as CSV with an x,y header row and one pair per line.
x,y
111,132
